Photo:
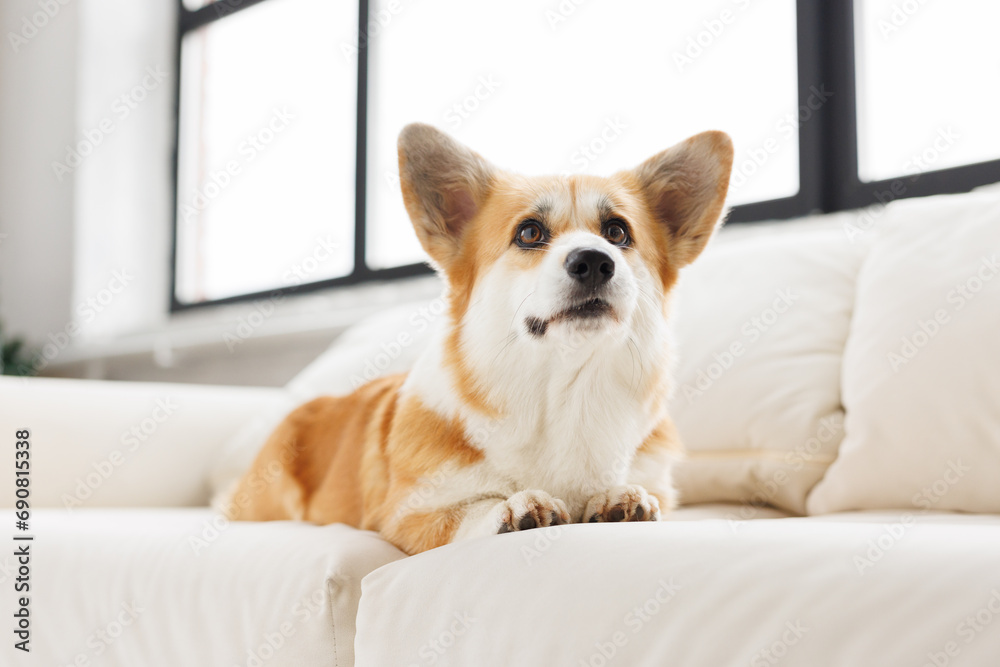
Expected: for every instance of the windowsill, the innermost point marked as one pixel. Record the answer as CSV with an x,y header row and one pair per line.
x,y
253,323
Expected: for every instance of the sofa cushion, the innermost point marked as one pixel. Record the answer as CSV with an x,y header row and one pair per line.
x,y
761,320
770,592
922,365
183,587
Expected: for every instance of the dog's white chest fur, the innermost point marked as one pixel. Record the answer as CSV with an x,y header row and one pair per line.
x,y
574,437
572,418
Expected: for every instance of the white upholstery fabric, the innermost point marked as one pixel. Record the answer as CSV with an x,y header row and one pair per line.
x,y
781,592
922,366
761,323
176,587
166,436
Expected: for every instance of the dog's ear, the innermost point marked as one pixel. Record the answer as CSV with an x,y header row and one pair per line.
x,y
444,185
685,187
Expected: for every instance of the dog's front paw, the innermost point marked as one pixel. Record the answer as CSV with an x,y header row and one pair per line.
x,y
531,509
623,503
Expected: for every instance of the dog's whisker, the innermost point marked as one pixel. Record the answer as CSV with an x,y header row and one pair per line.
x,y
635,388
518,310
509,340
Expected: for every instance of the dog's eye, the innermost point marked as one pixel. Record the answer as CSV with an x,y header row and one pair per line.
x,y
529,234
616,233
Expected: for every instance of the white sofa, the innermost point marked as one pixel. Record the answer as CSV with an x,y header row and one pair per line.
x,y
817,375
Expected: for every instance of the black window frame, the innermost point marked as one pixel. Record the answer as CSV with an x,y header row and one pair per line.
x,y
828,143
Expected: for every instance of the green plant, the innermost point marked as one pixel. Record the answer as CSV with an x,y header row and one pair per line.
x,y
15,357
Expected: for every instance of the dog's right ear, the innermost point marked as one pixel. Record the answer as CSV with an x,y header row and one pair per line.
x,y
444,186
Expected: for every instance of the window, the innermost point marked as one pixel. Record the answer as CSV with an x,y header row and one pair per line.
x,y
922,109
289,112
266,177
567,104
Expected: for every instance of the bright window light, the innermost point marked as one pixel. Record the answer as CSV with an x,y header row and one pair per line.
x,y
266,187
580,88
923,101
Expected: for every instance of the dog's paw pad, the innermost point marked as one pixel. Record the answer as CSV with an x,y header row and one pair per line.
x,y
531,509
623,503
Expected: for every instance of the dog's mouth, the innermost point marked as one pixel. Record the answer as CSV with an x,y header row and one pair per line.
x,y
585,310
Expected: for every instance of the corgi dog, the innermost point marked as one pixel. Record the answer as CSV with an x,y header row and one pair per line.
x,y
543,401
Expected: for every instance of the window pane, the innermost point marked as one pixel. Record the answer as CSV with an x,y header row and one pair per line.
x,y
594,90
267,151
928,85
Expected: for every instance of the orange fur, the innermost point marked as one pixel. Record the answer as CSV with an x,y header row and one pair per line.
x,y
353,460
662,445
313,463
420,531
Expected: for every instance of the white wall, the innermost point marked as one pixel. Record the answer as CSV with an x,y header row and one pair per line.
x,y
123,190
84,167
37,121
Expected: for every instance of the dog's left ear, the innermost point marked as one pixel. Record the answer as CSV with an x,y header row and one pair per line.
x,y
444,186
685,187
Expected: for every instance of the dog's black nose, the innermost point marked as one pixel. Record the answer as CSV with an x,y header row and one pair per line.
x,y
590,266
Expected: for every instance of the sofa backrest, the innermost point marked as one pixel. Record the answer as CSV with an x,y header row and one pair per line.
x,y
121,444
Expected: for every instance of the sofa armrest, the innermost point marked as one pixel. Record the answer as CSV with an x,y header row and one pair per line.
x,y
207,592
114,444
